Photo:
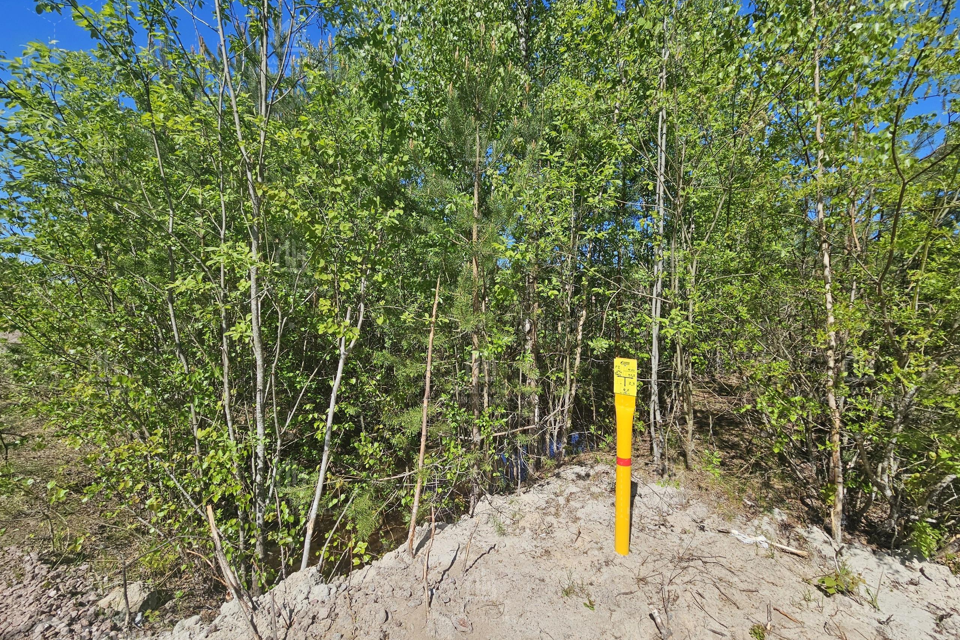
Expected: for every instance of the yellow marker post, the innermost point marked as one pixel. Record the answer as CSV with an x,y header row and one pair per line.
x,y
625,401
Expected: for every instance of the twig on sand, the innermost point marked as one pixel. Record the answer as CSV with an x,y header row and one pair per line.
x,y
790,550
664,630
466,554
702,608
663,627
477,559
665,597
787,615
781,547
426,564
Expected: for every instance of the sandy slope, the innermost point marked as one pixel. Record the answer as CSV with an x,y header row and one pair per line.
x,y
540,564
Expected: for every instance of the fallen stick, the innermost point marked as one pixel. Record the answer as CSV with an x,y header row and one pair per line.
x,y
236,589
664,630
775,545
426,565
466,555
787,615
665,597
790,550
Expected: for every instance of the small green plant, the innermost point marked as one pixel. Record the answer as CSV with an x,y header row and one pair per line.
x,y
758,632
570,588
55,493
360,554
925,538
843,580
873,595
710,462
69,543
669,482
573,588
499,527
952,561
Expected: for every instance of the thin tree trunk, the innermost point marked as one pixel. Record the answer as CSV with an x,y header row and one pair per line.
x,y
423,420
530,329
836,464
685,339
345,350
574,374
676,397
655,418
475,330
260,452
569,372
488,376
688,362
260,417
254,174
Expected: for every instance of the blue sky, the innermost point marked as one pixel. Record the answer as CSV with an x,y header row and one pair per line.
x,y
20,24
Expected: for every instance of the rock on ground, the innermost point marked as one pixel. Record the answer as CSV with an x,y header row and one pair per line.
x,y
138,597
540,564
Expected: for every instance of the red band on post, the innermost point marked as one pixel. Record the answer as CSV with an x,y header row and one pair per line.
x,y
623,462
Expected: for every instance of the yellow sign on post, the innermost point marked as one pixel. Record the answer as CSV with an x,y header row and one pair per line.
x,y
625,401
625,377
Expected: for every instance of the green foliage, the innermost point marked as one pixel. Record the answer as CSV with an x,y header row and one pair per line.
x,y
843,581
710,461
364,513
189,240
925,538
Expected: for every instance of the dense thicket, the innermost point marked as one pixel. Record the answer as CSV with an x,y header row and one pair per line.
x,y
224,225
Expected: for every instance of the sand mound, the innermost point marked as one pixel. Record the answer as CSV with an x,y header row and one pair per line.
x,y
540,564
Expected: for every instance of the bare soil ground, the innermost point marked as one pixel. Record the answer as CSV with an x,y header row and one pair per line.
x,y
540,564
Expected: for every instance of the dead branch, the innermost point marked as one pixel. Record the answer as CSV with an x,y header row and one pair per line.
x,y
787,615
426,564
243,599
775,545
